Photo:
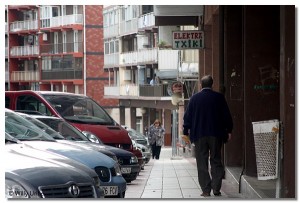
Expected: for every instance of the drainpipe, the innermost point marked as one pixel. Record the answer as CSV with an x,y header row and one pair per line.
x,y
84,53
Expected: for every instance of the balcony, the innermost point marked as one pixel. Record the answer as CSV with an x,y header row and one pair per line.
x,y
75,47
6,52
139,57
146,21
168,59
129,27
111,60
111,31
23,25
62,74
112,90
62,21
154,90
137,91
129,90
6,27
24,50
18,76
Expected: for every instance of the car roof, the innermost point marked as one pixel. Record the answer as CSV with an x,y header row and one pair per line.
x,y
48,92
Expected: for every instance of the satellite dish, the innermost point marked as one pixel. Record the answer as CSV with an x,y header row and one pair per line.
x,y
176,98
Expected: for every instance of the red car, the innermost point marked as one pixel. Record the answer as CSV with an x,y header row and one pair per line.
x,y
79,110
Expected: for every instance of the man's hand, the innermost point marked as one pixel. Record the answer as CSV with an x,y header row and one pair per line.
x,y
185,138
229,137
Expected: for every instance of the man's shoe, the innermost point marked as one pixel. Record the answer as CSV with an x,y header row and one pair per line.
x,y
217,193
205,194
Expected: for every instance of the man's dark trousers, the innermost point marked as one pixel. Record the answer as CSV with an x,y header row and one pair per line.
x,y
209,147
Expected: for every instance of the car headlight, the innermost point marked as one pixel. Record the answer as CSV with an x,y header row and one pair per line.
x,y
134,160
93,138
14,190
117,169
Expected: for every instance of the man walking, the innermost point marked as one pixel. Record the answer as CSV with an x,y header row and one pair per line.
x,y
208,123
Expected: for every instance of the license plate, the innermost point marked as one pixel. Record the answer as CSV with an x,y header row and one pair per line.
x,y
110,190
126,170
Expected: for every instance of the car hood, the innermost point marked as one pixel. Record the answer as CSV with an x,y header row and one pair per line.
x,y
39,172
89,158
48,156
89,146
108,134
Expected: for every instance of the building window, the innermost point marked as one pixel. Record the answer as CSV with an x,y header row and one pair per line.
x,y
106,47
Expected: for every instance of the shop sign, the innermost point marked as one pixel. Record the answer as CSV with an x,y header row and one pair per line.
x,y
188,39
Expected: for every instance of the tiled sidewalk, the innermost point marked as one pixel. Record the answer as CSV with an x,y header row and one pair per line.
x,y
168,178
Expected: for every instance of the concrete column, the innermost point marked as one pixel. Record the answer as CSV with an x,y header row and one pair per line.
x,y
122,115
133,117
168,127
152,115
145,118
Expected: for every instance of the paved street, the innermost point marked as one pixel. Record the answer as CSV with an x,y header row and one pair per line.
x,y
172,178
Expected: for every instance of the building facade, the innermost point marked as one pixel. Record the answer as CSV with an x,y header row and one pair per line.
x,y
56,48
137,51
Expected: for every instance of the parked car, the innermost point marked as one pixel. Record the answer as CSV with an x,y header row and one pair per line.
x,y
145,151
141,142
137,136
27,175
108,170
137,152
79,110
60,129
69,139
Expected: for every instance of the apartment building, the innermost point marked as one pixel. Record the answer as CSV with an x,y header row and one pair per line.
x,y
135,51
56,48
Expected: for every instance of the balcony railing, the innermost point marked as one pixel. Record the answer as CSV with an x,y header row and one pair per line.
x,y
62,20
111,60
137,90
6,27
112,90
147,55
129,90
146,21
141,56
23,25
111,31
61,74
24,50
25,76
74,47
6,52
129,27
164,56
154,90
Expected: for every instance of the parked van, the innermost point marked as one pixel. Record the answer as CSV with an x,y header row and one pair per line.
x,y
79,110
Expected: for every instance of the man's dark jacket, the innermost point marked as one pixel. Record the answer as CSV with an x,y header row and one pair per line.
x,y
207,114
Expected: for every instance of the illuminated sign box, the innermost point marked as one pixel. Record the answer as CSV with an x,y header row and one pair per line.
x,y
188,39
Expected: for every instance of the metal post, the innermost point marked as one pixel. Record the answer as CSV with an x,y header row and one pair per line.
x,y
175,135
280,157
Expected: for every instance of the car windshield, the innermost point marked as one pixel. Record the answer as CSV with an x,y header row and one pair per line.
x,y
134,134
79,109
53,133
66,130
21,129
